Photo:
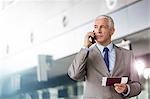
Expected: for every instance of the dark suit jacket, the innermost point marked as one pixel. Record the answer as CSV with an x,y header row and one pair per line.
x,y
89,65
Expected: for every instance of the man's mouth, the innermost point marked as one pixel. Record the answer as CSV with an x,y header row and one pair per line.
x,y
99,36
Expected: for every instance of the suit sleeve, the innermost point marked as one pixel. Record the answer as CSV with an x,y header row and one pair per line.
x,y
134,83
77,69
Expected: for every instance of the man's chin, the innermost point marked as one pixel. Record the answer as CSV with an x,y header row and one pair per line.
x,y
100,41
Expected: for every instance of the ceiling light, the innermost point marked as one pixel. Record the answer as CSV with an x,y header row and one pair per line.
x,y
111,3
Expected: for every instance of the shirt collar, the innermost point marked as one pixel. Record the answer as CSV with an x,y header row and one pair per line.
x,y
109,46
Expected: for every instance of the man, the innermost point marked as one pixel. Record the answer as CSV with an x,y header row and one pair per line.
x,y
104,59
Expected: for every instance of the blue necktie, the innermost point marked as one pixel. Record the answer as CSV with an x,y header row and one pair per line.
x,y
106,58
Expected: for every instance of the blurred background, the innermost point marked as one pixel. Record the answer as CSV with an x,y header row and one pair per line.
x,y
39,39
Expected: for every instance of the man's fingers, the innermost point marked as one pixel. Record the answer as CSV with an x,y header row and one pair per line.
x,y
91,34
88,40
120,88
117,84
120,85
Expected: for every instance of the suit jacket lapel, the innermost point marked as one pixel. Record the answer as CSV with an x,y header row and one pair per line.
x,y
118,59
101,66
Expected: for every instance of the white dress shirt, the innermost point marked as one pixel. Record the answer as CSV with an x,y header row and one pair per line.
x,y
111,54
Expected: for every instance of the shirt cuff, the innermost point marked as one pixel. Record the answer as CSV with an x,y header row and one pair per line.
x,y
126,94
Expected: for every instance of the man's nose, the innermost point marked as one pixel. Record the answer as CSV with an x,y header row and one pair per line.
x,y
99,30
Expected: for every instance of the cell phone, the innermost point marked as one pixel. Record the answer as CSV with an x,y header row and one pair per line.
x,y
93,38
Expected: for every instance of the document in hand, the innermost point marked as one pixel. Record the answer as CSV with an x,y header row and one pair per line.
x,y
111,81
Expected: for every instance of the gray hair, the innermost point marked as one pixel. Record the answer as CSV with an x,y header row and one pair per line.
x,y
110,20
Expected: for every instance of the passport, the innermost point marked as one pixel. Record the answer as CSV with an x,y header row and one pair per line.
x,y
106,81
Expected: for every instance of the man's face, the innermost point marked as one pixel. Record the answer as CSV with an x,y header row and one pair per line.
x,y
102,31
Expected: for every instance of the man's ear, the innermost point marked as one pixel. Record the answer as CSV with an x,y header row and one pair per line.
x,y
112,31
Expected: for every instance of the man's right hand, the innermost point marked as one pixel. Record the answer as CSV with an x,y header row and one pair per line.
x,y
87,40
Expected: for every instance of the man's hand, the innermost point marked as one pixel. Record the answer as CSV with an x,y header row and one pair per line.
x,y
121,88
87,41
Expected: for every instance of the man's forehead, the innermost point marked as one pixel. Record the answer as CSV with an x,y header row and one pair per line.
x,y
101,20
101,17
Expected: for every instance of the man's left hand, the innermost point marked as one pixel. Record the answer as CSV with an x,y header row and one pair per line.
x,y
121,88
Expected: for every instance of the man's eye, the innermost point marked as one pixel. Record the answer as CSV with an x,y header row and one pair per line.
x,y
103,26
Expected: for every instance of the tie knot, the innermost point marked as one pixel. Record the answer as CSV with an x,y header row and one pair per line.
x,y
105,49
